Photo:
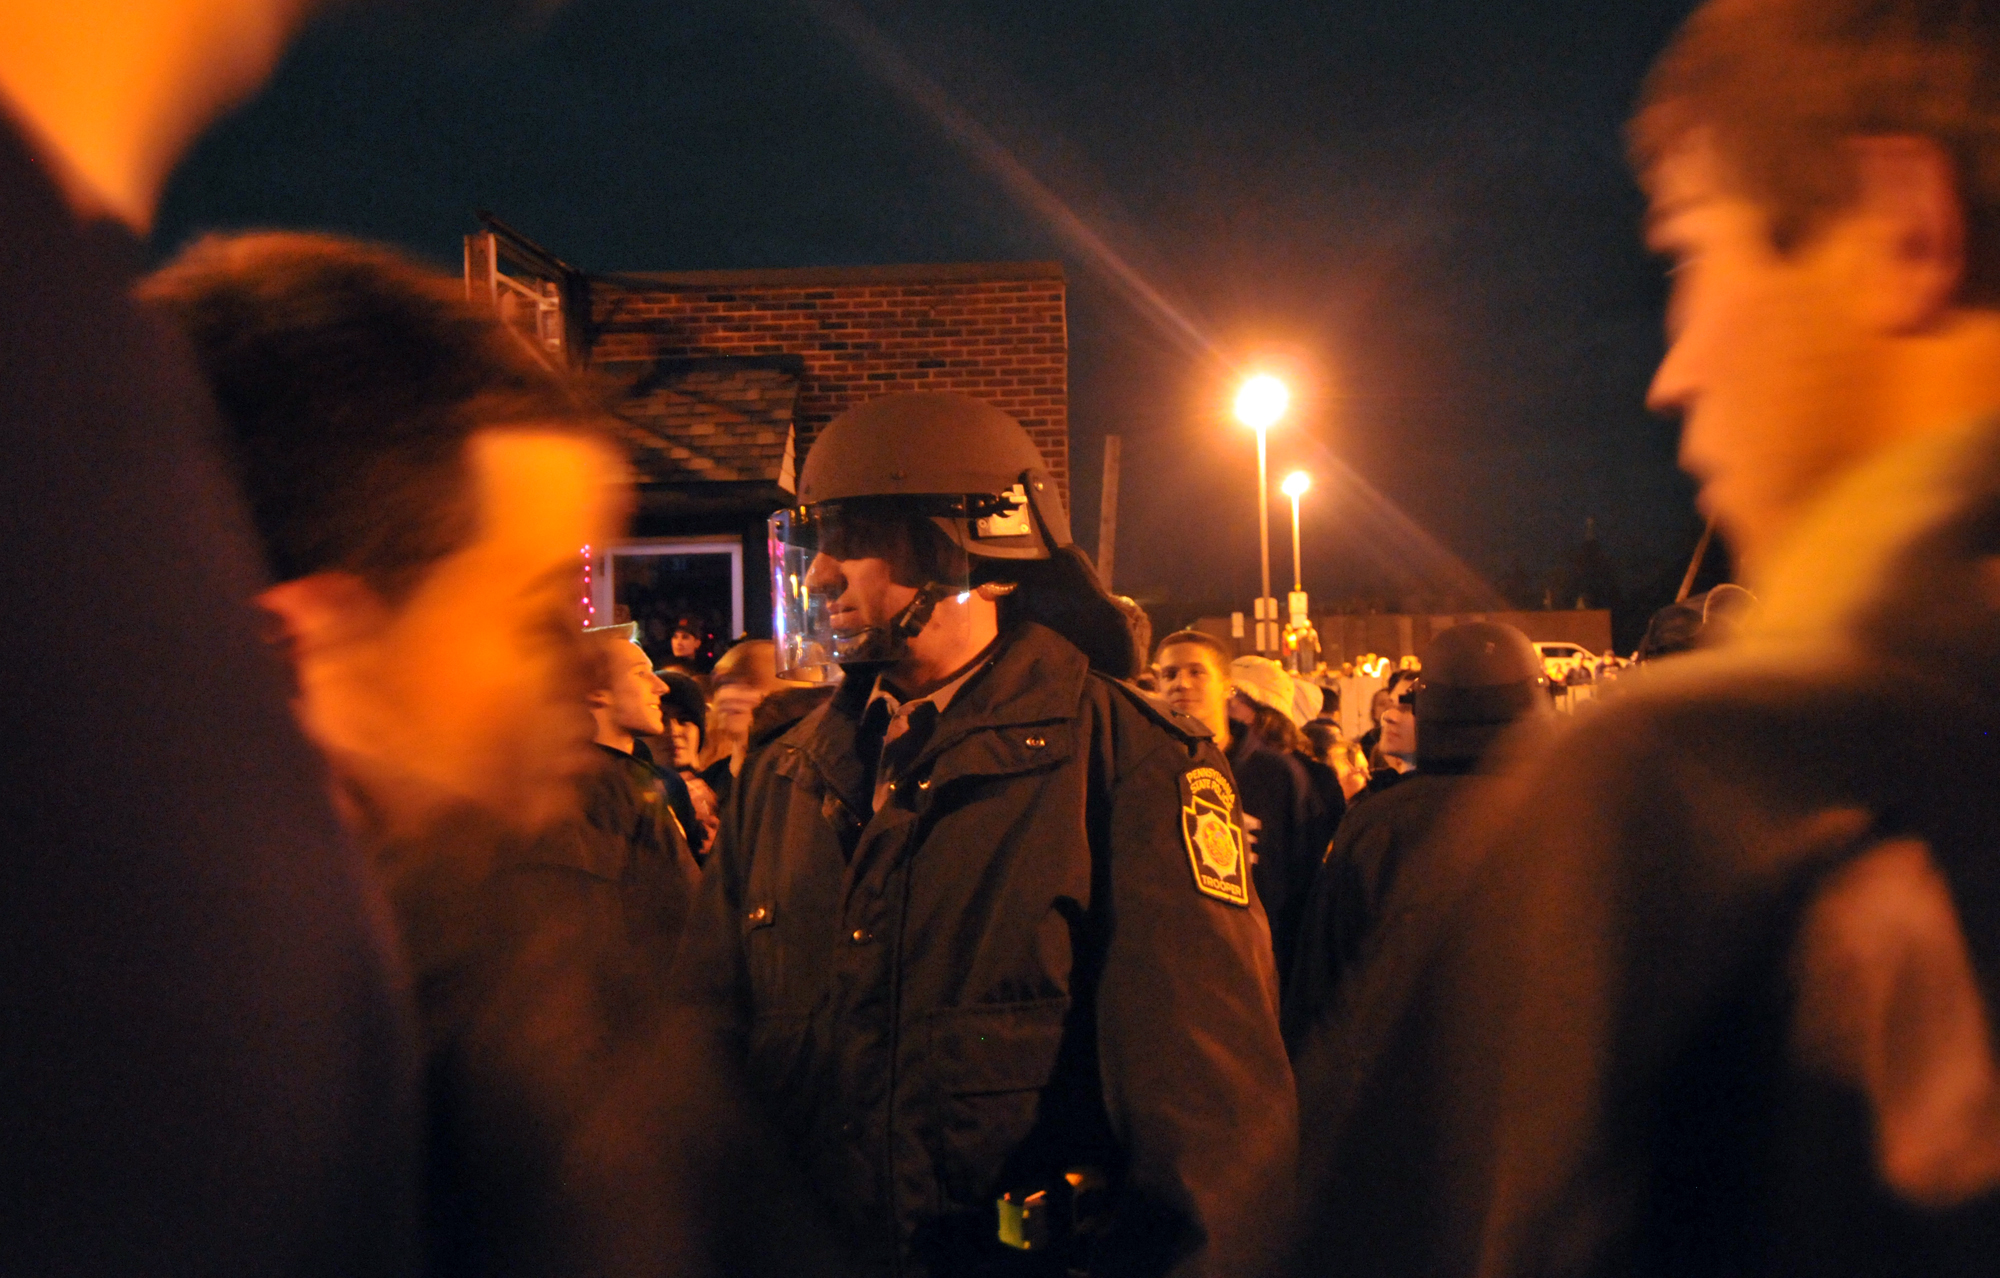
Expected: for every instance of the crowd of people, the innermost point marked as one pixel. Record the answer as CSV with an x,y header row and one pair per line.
x,y
416,929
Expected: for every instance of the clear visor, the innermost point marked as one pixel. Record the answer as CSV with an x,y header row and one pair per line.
x,y
852,581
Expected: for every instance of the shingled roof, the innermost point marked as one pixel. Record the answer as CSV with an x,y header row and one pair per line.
x,y
710,420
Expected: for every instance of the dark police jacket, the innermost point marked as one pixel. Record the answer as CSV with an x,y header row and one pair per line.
x,y
1709,986
1043,952
1344,910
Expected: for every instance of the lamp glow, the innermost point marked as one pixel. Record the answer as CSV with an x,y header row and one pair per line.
x,y
1262,401
1296,484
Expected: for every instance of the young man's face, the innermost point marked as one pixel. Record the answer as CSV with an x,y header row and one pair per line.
x,y
1767,362
472,690
686,736
1193,682
1377,704
1399,724
631,697
684,644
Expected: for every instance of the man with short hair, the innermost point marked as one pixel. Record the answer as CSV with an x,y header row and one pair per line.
x,y
624,861
423,523
1281,816
1710,988
628,704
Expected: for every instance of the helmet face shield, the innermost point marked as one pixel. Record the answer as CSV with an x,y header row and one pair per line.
x,y
853,581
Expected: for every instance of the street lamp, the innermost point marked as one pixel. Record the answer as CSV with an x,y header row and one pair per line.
x,y
1259,404
1295,486
1301,640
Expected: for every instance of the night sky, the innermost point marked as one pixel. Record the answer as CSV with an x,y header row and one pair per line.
x,y
1419,209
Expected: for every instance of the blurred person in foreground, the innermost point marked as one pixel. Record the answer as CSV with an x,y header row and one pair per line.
x,y
1709,987
1479,679
422,523
210,1064
982,921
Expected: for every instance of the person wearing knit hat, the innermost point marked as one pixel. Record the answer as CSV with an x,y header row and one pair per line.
x,y
684,714
1479,679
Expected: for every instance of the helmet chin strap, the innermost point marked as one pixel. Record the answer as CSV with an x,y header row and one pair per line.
x,y
910,622
890,642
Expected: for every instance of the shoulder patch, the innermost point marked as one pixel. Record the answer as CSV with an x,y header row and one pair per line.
x,y
1214,835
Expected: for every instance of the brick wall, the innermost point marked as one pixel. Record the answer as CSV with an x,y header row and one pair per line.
x,y
994,331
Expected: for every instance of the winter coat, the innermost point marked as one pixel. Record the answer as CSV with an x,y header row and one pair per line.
x,y
1043,953
1707,987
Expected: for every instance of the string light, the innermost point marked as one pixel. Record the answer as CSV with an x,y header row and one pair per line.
x,y
589,609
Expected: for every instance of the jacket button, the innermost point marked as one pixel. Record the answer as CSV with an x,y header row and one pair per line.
x,y
758,915
861,936
1035,743
924,784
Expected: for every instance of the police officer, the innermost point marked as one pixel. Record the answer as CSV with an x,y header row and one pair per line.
x,y
983,923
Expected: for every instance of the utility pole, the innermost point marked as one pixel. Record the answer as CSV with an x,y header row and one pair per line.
x,y
1694,565
1107,510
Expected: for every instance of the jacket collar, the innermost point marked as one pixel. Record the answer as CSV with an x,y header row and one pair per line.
x,y
1887,567
1036,677
1843,556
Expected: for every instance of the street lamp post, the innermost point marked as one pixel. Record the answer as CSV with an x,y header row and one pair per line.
x,y
1301,641
1259,404
1295,487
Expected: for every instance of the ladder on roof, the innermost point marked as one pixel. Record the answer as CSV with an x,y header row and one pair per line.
x,y
534,292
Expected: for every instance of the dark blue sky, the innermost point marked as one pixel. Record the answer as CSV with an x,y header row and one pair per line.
x,y
1421,205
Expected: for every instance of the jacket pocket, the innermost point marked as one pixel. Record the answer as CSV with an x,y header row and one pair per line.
x,y
777,1059
989,1064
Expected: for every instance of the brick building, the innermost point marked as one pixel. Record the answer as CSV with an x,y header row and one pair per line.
x,y
725,377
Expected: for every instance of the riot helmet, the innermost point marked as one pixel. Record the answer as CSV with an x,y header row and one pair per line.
x,y
1478,678
953,497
